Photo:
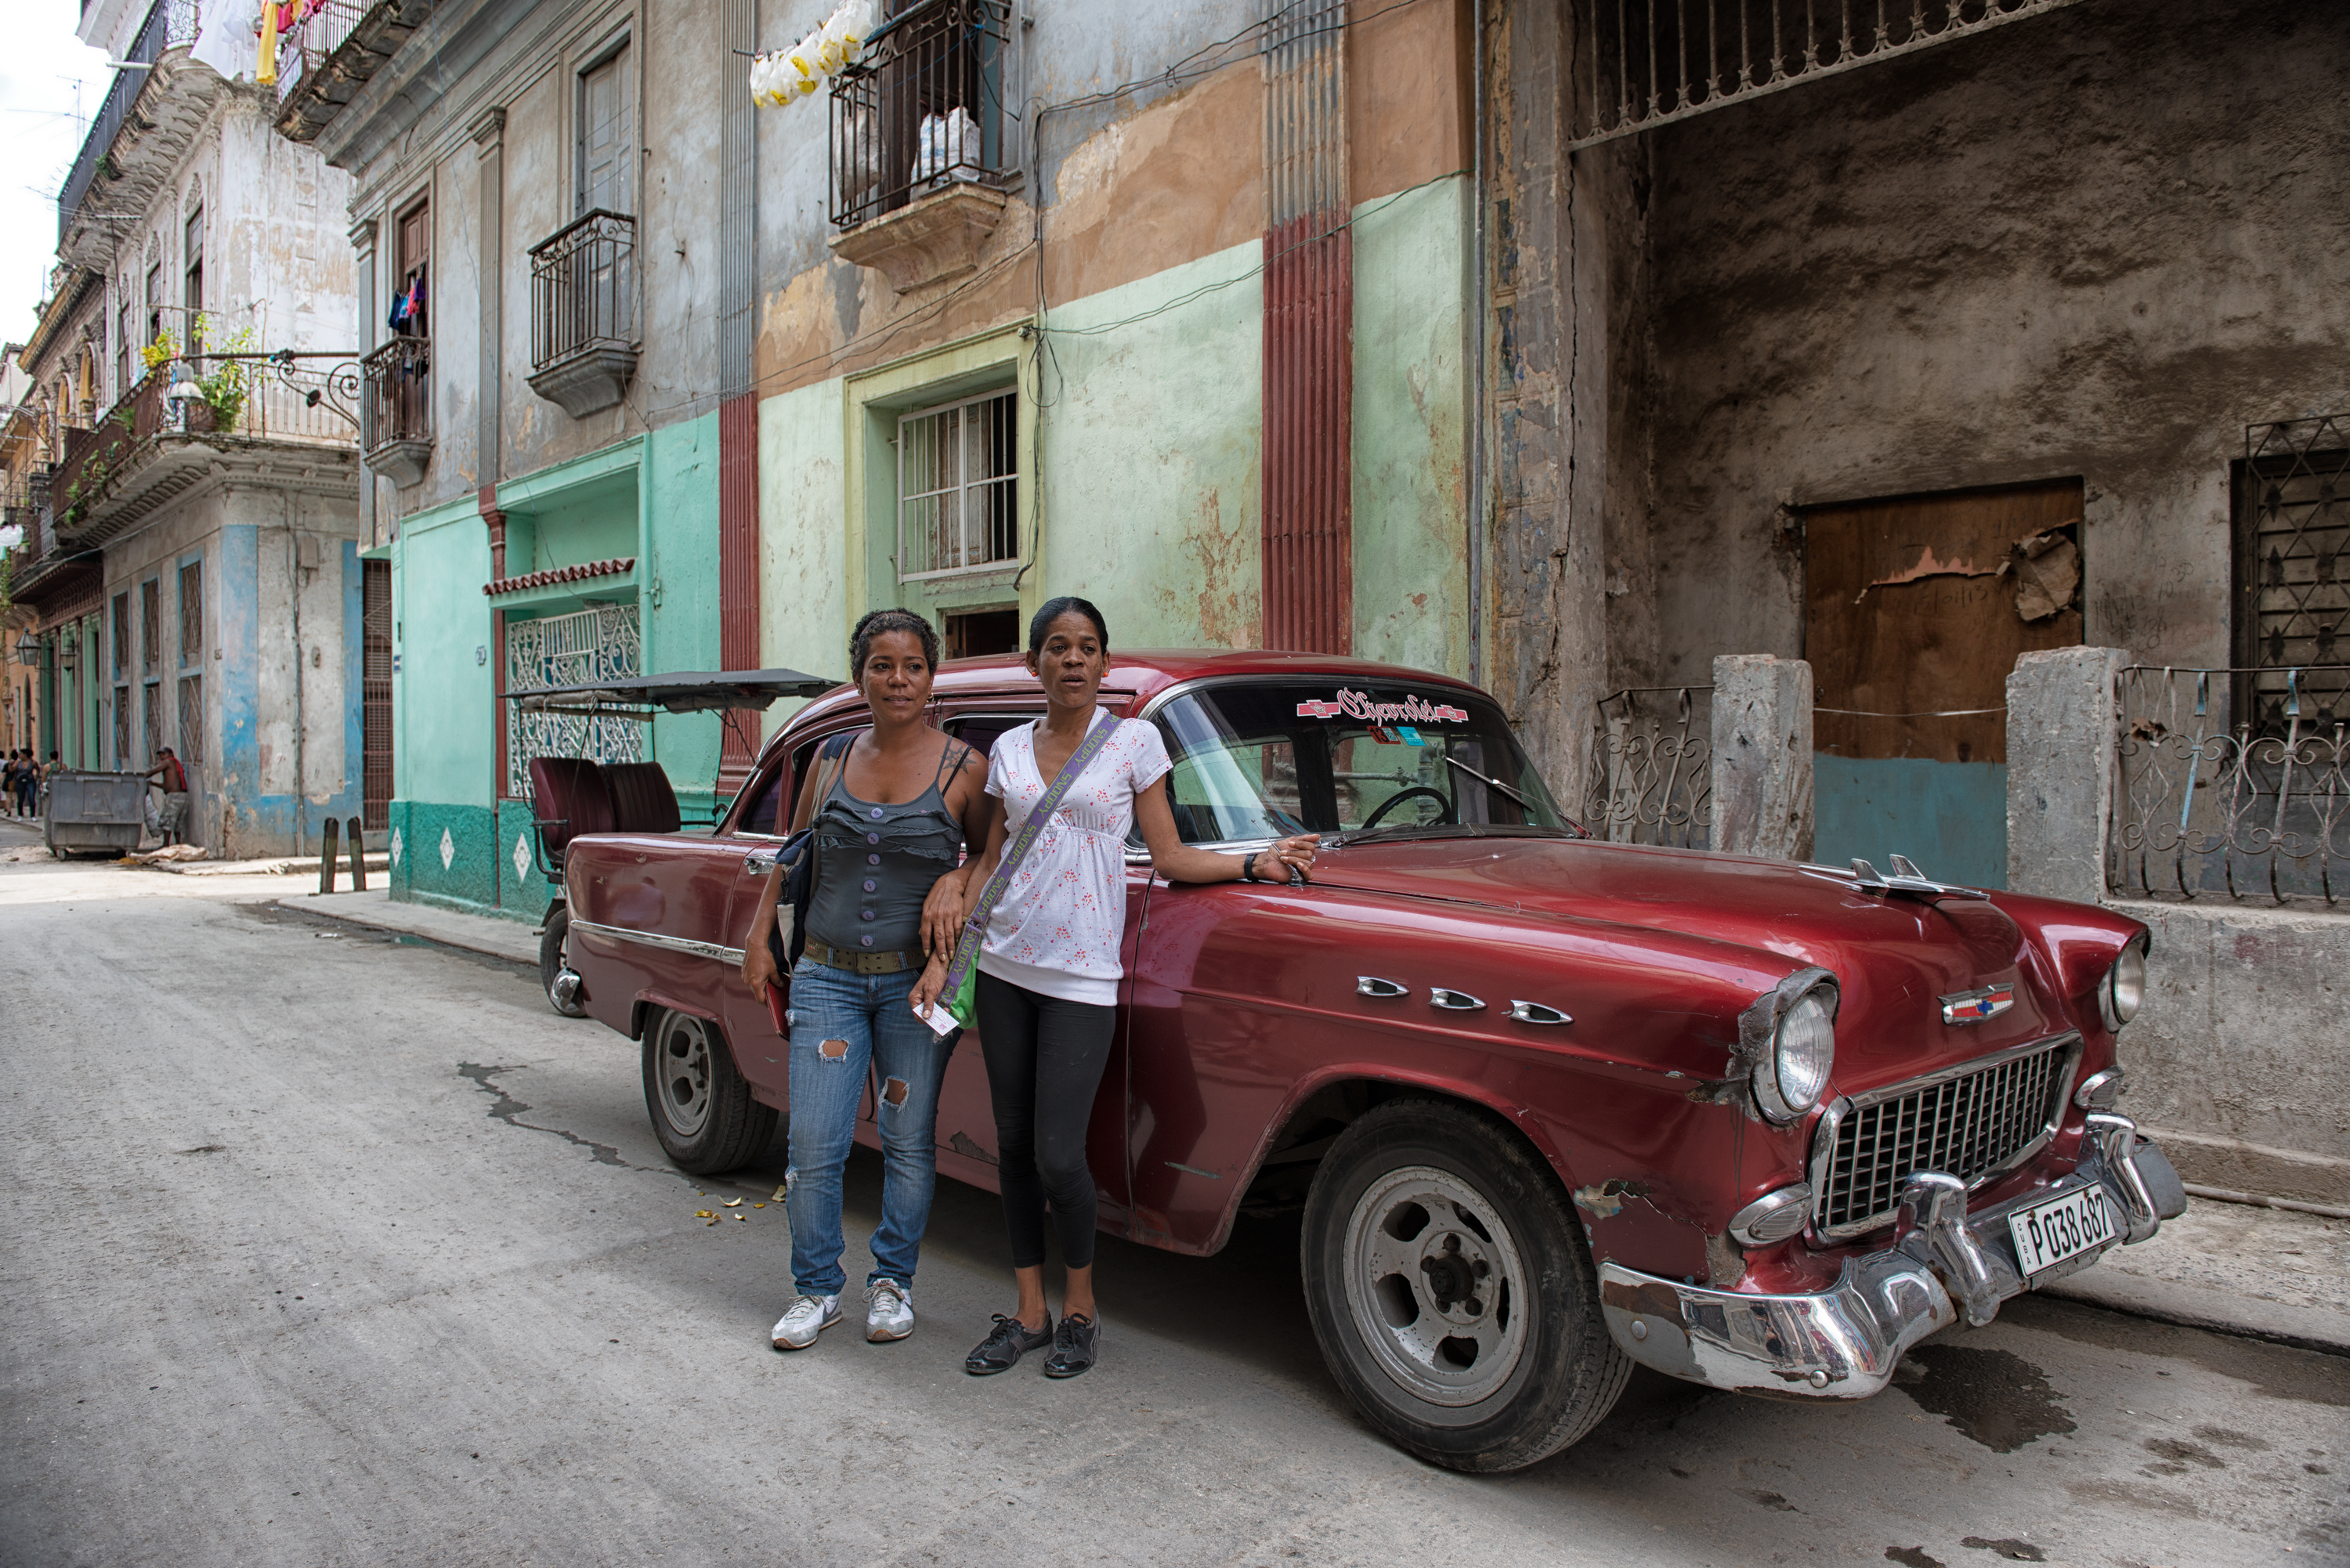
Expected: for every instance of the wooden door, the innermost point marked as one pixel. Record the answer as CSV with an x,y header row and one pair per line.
x,y
1916,609
606,131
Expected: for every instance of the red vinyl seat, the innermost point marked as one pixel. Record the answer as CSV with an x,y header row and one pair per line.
x,y
642,800
570,795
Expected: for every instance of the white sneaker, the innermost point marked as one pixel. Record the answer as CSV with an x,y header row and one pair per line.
x,y
889,1310
803,1320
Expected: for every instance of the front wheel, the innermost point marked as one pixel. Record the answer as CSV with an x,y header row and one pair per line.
x,y
1452,1292
702,1107
552,964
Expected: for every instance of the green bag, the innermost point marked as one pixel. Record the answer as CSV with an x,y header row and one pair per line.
x,y
960,995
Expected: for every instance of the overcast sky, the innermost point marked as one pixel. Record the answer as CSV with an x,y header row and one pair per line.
x,y
40,63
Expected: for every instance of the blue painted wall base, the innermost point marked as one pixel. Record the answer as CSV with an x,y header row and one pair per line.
x,y
1948,818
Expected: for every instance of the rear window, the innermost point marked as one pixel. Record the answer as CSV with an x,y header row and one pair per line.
x,y
1257,760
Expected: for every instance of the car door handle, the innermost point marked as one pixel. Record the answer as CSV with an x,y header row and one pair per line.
x,y
1385,989
1454,1001
759,863
1537,1013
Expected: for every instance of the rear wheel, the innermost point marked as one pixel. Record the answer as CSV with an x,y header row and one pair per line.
x,y
1452,1292
701,1108
552,964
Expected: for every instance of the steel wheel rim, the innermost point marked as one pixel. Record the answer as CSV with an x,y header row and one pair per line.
x,y
1446,1330
682,1062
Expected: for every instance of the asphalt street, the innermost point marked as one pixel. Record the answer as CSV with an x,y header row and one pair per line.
x,y
324,1246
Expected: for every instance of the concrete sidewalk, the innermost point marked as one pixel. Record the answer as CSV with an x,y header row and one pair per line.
x,y
374,908
2268,1273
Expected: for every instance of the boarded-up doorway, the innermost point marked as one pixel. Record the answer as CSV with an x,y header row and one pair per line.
x,y
1915,611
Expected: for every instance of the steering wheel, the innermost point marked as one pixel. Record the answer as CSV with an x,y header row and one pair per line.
x,y
1401,796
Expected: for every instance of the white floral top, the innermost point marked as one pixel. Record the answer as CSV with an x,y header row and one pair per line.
x,y
1059,925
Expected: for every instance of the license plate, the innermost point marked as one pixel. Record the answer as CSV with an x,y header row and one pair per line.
x,y
2047,1234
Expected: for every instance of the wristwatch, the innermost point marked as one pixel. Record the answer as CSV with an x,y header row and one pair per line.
x,y
1248,867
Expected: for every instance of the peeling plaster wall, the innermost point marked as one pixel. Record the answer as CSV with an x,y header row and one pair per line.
x,y
2096,244
1568,345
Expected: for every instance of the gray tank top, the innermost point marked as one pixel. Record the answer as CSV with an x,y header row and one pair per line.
x,y
876,864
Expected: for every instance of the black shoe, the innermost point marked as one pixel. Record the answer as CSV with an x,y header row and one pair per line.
x,y
1075,1347
1006,1344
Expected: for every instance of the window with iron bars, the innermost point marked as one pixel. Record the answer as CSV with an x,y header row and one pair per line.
x,y
922,107
2293,574
958,482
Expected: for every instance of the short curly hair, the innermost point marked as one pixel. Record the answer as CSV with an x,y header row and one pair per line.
x,y
874,623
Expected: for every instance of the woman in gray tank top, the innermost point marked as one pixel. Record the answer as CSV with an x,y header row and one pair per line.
x,y
892,808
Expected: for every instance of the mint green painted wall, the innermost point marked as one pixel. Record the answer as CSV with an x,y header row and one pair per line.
x,y
802,586
444,745
1148,447
678,606
1410,555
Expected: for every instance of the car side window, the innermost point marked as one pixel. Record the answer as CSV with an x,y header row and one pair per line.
x,y
767,793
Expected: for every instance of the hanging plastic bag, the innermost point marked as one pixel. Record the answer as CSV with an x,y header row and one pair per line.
x,y
946,149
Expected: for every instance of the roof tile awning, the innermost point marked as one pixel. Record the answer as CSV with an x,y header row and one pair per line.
x,y
613,566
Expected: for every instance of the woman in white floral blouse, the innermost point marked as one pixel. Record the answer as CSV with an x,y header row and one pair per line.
x,y
1048,971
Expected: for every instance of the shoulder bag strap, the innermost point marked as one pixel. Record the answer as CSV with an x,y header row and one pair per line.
x,y
966,952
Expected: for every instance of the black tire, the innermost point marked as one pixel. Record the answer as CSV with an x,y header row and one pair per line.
x,y
550,960
1531,1368
701,1108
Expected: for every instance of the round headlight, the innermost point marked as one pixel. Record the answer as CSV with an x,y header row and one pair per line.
x,y
1803,1052
2124,988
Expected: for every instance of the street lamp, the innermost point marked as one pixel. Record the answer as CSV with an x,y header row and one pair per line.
x,y
28,650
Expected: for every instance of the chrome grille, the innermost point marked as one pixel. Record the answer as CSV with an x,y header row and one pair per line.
x,y
1971,1122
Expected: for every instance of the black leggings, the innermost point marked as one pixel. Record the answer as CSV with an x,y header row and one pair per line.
x,y
1044,1060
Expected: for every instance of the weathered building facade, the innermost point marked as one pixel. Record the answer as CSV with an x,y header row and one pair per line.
x,y
1914,345
1165,324
191,550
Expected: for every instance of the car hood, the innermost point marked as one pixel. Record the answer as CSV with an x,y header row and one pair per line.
x,y
1895,957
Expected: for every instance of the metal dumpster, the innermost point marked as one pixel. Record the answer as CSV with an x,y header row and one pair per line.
x,y
102,812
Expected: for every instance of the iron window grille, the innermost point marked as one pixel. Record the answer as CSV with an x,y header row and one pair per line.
x,y
583,289
2293,574
1644,63
958,485
922,108
603,642
398,405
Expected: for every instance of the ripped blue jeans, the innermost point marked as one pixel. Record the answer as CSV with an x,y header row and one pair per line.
x,y
847,1029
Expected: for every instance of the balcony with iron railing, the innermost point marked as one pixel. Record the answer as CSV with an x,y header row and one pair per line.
x,y
330,52
583,313
159,439
150,116
919,166
396,409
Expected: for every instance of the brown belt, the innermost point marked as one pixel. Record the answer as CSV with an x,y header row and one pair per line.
x,y
864,963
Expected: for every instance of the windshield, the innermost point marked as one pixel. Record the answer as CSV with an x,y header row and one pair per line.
x,y
1262,761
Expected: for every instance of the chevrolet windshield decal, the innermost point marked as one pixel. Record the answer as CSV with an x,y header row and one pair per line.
x,y
1358,705
1974,1006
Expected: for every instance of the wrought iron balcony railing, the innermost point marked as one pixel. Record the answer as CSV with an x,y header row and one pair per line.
x,y
395,405
922,109
583,290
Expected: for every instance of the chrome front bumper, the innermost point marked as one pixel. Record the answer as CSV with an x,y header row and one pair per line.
x,y
1843,1343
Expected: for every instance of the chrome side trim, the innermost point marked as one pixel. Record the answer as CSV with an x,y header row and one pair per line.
x,y
1538,1013
1384,989
1454,1001
1824,1131
712,950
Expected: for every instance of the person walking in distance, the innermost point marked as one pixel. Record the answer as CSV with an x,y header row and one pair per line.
x,y
892,808
173,781
1048,964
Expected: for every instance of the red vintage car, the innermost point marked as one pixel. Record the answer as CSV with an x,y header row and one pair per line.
x,y
1551,1105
